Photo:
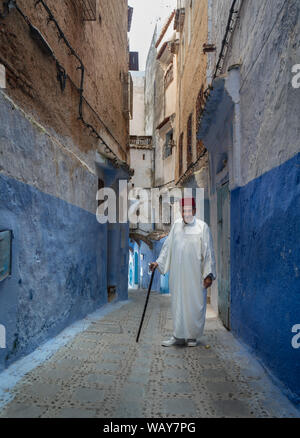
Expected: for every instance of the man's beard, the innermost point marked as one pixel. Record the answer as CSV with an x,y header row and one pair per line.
x,y
188,219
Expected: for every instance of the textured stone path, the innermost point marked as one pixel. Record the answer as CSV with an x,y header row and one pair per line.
x,y
103,373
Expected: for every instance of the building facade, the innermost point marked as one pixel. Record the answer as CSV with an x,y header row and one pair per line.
x,y
152,154
64,134
251,130
160,101
191,25
248,122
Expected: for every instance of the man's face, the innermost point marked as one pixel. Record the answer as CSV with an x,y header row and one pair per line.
x,y
187,213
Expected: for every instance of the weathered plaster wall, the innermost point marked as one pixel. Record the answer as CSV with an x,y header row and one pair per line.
x,y
265,263
144,264
158,118
57,276
265,43
31,75
32,155
150,86
149,257
137,124
49,175
191,74
160,282
158,106
165,167
60,252
264,210
170,94
143,168
159,96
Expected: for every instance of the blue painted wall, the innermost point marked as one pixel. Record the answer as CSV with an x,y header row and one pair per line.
x,y
134,278
117,258
59,266
160,282
265,269
148,258
164,283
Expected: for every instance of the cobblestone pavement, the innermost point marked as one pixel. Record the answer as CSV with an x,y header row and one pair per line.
x,y
102,372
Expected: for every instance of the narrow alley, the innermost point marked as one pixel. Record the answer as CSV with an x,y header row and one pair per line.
x,y
101,372
149,140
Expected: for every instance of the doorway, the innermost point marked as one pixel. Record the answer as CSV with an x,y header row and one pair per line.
x,y
223,212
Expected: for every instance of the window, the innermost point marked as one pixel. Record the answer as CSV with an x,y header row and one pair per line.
x,y
130,13
168,144
144,156
134,61
190,139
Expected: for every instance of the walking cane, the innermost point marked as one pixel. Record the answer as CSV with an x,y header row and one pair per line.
x,y
149,289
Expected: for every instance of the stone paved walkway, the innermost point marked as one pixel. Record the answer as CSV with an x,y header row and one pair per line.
x,y
102,372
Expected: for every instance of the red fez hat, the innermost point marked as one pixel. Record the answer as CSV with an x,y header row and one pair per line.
x,y
187,202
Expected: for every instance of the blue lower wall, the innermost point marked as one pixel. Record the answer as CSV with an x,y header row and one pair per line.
x,y
59,267
151,256
160,282
265,269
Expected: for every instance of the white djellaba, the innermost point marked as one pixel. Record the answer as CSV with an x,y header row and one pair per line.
x,y
188,255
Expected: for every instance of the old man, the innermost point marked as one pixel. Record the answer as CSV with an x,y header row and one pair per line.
x,y
188,255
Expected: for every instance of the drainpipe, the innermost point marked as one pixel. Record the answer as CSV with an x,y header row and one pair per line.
x,y
233,85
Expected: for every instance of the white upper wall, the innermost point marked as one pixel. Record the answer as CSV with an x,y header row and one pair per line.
x,y
264,44
137,124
